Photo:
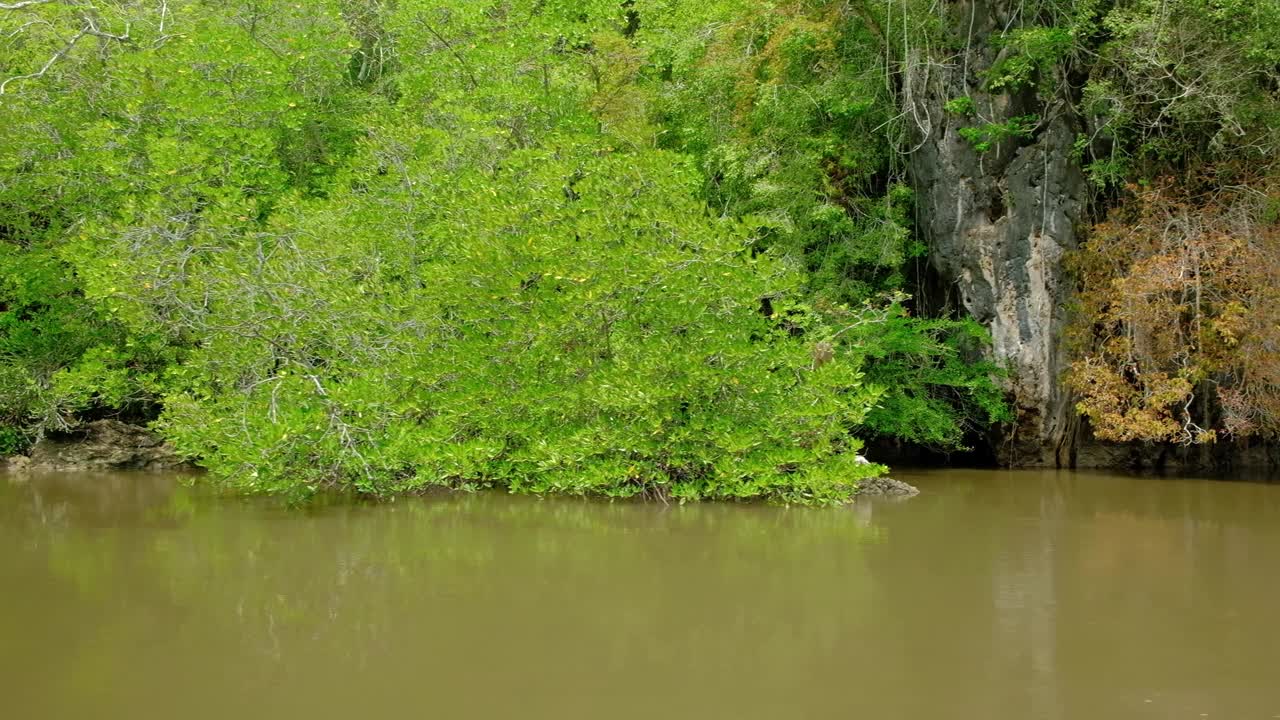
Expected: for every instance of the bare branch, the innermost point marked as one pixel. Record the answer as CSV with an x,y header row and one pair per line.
x,y
108,36
27,24
49,63
25,4
90,28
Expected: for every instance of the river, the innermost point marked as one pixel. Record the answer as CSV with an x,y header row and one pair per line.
x,y
993,596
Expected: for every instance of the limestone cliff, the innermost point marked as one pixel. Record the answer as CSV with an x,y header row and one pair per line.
x,y
999,221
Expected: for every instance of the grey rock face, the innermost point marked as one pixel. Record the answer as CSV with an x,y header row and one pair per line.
x,y
104,444
999,222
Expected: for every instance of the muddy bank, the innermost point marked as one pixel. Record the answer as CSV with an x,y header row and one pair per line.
x,y
101,445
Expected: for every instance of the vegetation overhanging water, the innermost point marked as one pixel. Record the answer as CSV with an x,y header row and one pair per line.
x,y
629,247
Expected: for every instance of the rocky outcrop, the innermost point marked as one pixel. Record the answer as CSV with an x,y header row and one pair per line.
x,y
16,463
886,487
103,445
999,221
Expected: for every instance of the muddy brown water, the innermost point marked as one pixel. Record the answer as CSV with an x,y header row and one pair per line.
x,y
993,596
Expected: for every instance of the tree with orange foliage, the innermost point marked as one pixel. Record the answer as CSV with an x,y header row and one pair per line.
x,y
1179,318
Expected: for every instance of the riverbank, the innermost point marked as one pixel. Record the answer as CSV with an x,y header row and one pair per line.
x,y
101,445
110,445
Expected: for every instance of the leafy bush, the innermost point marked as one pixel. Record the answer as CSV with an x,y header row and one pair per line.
x,y
607,340
985,137
531,245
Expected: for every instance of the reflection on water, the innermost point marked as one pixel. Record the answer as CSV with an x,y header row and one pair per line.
x,y
993,595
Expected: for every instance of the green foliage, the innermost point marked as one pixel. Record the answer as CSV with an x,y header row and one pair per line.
x,y
58,355
960,106
1169,84
1028,54
119,163
798,132
987,136
605,340
938,386
382,246
794,125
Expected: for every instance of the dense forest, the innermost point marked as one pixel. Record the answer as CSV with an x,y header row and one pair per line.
x,y
653,248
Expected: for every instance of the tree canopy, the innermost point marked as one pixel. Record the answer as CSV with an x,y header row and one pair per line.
x,y
590,247
636,247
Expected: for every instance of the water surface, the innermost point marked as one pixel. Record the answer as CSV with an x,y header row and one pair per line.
x,y
994,595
